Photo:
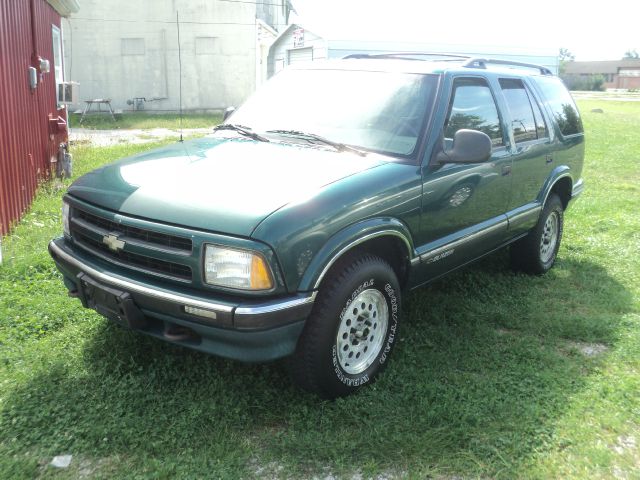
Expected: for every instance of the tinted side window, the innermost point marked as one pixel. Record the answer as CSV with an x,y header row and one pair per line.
x,y
472,107
541,126
561,105
523,122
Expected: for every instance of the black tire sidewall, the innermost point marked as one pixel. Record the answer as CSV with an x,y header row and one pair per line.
x,y
375,274
553,205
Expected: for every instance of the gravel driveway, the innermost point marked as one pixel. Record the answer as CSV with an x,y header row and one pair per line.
x,y
105,138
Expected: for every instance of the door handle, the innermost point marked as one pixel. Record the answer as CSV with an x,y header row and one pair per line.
x,y
506,170
549,158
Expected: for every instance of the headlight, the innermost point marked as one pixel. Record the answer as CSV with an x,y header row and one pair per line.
x,y
65,219
232,268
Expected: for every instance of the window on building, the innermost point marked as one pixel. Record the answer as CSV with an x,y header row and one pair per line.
x,y
58,69
523,121
133,46
206,45
473,107
629,72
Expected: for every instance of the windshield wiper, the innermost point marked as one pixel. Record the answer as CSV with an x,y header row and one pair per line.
x,y
242,130
341,147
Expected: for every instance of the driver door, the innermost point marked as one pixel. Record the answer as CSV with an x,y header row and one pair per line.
x,y
464,205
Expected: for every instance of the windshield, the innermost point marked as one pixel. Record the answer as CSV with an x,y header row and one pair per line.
x,y
379,111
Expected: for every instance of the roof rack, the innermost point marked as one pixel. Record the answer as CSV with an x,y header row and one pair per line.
x,y
471,62
483,62
408,55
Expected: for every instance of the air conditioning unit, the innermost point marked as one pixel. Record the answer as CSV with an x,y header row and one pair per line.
x,y
68,92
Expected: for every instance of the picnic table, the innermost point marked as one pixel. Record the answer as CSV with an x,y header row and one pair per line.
x,y
99,102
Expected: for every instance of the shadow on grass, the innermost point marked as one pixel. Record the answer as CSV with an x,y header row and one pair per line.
x,y
476,385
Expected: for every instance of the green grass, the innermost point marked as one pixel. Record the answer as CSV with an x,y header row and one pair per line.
x,y
488,381
145,121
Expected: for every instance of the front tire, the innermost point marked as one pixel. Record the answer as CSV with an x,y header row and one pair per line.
x,y
352,329
536,253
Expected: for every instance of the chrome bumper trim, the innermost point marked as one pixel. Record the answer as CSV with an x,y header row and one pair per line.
x,y
276,307
135,287
578,188
267,307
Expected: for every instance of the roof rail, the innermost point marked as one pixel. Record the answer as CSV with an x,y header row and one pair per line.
x,y
447,57
483,62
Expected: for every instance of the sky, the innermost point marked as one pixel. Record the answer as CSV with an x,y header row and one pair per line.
x,y
543,26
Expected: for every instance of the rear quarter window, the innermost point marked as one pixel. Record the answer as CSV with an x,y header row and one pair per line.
x,y
561,105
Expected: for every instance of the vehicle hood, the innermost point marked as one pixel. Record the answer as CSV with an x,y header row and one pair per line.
x,y
225,185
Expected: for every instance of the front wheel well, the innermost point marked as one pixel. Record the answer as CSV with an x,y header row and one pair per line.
x,y
390,248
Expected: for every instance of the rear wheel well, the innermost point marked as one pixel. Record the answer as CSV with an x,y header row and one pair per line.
x,y
563,189
391,249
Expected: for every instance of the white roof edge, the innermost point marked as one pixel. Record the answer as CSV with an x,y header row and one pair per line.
x,y
289,27
267,27
65,7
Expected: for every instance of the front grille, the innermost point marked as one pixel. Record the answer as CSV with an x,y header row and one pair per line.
x,y
89,230
127,258
155,238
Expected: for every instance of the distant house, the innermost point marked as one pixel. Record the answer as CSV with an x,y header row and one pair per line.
x,y
619,74
127,51
32,116
297,44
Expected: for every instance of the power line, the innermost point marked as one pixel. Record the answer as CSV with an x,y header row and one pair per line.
x,y
172,22
255,2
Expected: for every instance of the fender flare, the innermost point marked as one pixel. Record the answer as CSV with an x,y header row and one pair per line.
x,y
555,176
348,238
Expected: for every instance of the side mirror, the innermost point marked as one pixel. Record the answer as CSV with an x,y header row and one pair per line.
x,y
469,146
228,112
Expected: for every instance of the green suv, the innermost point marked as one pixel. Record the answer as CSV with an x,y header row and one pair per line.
x,y
293,229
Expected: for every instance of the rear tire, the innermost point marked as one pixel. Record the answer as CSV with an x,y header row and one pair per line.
x,y
352,329
536,253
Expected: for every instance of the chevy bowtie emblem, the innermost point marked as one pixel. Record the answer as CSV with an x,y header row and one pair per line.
x,y
113,243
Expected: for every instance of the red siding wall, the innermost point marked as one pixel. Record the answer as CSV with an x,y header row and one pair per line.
x,y
630,83
28,139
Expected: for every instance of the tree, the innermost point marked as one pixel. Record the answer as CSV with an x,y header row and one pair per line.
x,y
565,56
632,53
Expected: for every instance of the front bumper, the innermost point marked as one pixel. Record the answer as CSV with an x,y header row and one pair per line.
x,y
246,330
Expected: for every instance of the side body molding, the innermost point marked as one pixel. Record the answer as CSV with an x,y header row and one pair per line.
x,y
523,218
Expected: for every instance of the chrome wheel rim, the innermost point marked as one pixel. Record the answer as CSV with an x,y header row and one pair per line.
x,y
549,237
362,330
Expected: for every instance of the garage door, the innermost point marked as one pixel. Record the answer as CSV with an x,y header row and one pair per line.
x,y
300,55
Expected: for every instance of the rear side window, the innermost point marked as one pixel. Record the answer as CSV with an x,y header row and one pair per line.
x,y
523,121
561,105
473,107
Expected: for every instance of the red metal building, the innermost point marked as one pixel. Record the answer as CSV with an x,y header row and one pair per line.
x,y
32,121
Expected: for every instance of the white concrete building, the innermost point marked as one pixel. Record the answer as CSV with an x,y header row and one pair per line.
x,y
128,51
296,43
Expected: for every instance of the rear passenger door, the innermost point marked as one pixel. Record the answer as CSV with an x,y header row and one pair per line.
x,y
531,146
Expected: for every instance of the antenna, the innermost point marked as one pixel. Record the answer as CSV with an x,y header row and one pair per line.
x,y
180,71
